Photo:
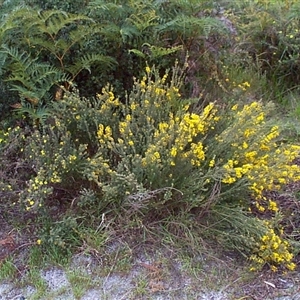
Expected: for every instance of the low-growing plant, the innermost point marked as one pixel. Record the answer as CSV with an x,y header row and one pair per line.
x,y
155,156
7,269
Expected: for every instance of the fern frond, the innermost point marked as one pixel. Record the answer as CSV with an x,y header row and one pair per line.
x,y
192,25
38,82
82,32
86,62
20,62
47,44
52,22
3,57
154,52
157,52
111,32
104,6
45,75
169,10
16,55
129,32
144,20
29,77
109,11
39,114
26,92
137,53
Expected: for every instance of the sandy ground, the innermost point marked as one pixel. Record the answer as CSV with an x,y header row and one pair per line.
x,y
146,280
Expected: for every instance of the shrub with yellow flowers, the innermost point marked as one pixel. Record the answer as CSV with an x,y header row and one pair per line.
x,y
155,154
207,159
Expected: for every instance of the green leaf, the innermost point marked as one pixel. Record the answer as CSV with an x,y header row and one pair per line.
x,y
88,60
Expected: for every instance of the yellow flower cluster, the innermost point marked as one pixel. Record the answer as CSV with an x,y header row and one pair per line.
x,y
244,85
156,91
274,251
104,134
178,135
97,168
38,189
57,159
108,100
152,156
257,156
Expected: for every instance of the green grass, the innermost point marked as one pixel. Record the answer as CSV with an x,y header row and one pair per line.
x,y
80,282
8,269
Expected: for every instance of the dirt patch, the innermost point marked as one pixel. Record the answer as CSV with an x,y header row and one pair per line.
x,y
156,276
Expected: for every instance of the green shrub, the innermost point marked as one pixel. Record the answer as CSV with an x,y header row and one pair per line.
x,y
154,156
270,35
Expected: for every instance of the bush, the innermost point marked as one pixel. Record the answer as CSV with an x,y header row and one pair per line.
x,y
154,156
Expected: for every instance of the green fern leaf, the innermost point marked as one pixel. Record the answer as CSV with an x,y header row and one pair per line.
x,y
154,52
86,62
39,114
137,53
192,26
29,77
52,22
129,32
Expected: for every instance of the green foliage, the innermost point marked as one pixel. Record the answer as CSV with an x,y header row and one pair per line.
x,y
101,134
7,269
154,31
270,35
152,52
46,51
62,235
55,47
152,156
31,79
72,6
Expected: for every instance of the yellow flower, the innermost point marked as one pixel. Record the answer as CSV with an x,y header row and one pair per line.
x,y
173,152
291,266
212,163
273,206
274,269
156,155
38,241
148,70
234,107
133,106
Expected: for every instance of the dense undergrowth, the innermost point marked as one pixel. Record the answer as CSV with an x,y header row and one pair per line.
x,y
161,113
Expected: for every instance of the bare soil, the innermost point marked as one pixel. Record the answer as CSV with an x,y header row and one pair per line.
x,y
153,274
